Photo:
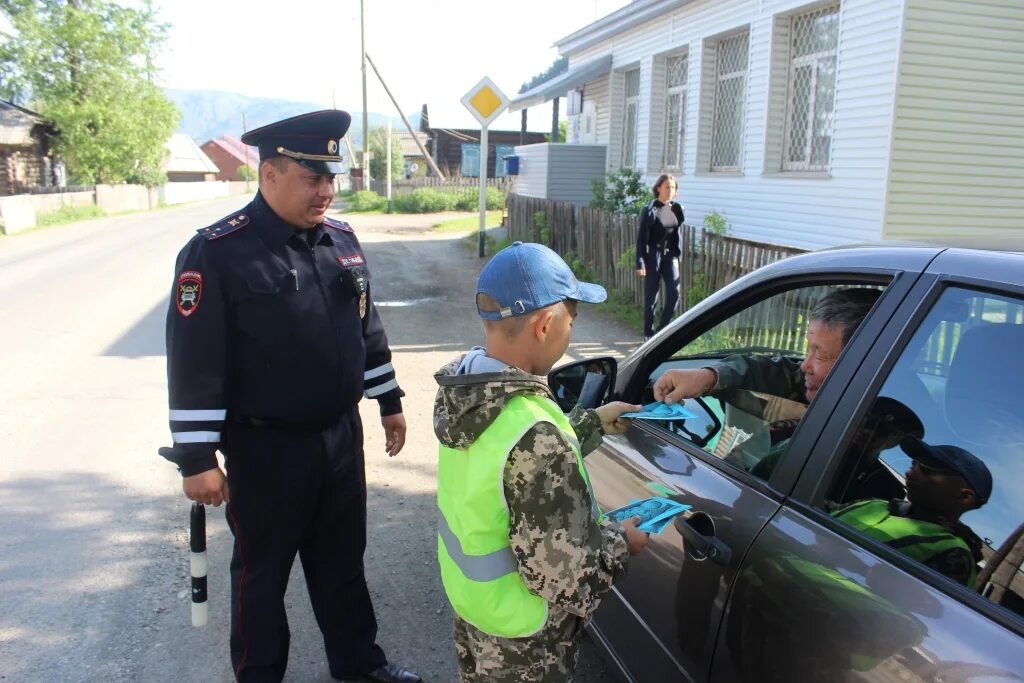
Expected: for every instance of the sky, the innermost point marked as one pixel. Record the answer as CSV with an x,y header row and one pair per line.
x,y
428,51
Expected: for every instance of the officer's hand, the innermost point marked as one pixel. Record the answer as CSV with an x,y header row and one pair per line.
x,y
209,487
635,539
676,385
394,433
642,272
609,414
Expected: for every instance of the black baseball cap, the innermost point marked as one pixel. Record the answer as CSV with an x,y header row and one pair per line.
x,y
955,459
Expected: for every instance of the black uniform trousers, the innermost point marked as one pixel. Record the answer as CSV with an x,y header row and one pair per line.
x,y
664,268
298,491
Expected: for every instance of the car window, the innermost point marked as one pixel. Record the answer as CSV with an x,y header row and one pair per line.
x,y
934,469
764,373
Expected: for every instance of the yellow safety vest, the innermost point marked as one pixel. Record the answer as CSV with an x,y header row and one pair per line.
x,y
479,570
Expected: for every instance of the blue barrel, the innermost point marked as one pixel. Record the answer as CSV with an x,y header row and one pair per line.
x,y
511,165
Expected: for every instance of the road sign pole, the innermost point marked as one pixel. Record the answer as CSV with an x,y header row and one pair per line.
x,y
485,102
483,188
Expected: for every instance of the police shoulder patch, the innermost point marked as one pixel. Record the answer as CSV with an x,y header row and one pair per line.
x,y
337,225
225,226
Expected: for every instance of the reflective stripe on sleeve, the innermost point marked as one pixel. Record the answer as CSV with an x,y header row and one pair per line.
x,y
378,371
197,415
381,389
195,437
477,567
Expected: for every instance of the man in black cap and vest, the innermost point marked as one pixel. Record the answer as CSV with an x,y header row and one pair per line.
x,y
272,339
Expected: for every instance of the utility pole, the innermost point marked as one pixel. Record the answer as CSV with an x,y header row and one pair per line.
x,y
366,118
248,168
388,160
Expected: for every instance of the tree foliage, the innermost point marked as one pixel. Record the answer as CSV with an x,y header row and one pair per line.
x,y
88,66
379,161
620,192
558,67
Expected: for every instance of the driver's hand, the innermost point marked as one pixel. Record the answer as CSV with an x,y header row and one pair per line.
x,y
609,413
675,385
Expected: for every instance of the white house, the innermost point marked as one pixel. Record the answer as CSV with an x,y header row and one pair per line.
x,y
811,124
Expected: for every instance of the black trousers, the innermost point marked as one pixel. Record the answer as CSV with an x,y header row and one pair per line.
x,y
298,492
666,268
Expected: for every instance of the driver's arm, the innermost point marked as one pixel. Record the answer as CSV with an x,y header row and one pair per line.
x,y
776,375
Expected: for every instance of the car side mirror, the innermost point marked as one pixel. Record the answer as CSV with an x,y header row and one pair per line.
x,y
588,382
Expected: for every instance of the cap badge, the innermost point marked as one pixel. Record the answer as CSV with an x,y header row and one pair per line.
x,y
332,146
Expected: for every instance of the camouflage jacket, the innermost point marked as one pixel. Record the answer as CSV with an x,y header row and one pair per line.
x,y
565,556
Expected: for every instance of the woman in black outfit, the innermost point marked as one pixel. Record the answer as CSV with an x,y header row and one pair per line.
x,y
658,248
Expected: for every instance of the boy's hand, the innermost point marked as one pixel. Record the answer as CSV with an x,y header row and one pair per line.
x,y
635,539
609,414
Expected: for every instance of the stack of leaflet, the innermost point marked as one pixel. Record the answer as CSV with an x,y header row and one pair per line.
x,y
654,513
660,411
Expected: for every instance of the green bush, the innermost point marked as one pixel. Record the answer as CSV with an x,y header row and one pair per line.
x,y
470,201
620,192
425,200
367,200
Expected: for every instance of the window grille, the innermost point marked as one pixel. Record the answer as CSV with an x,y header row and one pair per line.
x,y
675,111
630,117
730,91
811,90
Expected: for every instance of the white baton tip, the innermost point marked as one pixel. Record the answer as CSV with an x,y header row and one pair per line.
x,y
200,612
197,563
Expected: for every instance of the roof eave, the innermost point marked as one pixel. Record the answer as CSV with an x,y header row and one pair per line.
x,y
630,16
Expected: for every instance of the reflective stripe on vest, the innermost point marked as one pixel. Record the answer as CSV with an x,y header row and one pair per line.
x,y
915,538
479,570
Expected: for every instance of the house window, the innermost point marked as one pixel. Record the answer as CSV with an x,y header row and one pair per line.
x,y
630,116
810,94
730,91
675,110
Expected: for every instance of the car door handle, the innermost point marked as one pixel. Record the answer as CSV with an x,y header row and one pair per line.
x,y
703,546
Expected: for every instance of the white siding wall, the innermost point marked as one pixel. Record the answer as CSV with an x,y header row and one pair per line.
x,y
846,204
532,180
958,143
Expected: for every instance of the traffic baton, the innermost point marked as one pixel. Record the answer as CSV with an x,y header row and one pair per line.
x,y
197,563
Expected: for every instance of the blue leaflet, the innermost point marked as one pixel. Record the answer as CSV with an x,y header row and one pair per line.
x,y
660,411
654,513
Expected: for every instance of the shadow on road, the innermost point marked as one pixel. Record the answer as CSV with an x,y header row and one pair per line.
x,y
145,338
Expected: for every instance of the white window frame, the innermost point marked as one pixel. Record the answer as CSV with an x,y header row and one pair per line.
x,y
629,151
678,90
797,62
720,78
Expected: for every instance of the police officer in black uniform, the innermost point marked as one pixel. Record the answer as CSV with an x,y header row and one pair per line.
x,y
272,339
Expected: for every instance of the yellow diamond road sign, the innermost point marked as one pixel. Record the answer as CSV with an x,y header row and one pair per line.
x,y
485,101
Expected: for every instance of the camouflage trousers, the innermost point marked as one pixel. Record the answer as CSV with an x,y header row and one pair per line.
x,y
548,656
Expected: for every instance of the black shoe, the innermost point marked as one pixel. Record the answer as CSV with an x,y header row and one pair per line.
x,y
389,673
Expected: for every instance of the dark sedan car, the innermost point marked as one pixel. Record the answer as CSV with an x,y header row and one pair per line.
x,y
765,578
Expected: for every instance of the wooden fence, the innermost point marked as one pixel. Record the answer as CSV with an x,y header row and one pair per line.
x,y
459,185
599,239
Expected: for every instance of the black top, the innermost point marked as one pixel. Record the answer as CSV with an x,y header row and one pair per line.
x,y
653,240
271,323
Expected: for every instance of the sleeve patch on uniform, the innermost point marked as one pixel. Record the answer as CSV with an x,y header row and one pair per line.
x,y
352,260
188,292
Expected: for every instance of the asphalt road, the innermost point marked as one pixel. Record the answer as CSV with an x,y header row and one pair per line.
x,y
93,552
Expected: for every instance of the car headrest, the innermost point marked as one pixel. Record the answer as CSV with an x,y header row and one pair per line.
x,y
986,385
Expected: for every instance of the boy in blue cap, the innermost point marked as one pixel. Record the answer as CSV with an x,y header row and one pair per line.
x,y
943,483
525,556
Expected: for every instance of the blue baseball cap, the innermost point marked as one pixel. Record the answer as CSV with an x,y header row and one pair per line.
x,y
954,459
525,277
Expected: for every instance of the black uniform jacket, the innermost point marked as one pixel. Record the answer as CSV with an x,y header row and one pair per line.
x,y
653,241
272,324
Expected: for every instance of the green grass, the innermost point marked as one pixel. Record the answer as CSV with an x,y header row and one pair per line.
x,y
491,245
621,307
468,223
68,214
